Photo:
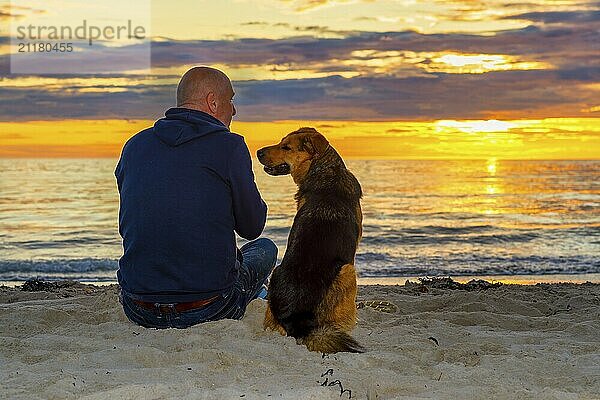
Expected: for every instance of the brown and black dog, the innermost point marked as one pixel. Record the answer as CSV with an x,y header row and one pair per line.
x,y
312,294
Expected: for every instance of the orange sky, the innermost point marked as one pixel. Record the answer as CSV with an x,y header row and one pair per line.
x,y
551,138
435,79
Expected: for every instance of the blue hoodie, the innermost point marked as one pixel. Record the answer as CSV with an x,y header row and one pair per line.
x,y
185,185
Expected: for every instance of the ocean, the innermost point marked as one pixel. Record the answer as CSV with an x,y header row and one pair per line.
x,y
58,218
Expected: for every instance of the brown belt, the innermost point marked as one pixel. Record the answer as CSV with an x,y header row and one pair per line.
x,y
178,307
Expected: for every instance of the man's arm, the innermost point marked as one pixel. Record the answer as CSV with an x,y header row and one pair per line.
x,y
249,209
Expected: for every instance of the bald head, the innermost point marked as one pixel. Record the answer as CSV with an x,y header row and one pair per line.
x,y
209,90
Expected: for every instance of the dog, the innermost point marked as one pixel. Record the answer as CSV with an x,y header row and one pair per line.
x,y
312,293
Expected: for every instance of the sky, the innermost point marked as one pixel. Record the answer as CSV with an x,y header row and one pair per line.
x,y
406,79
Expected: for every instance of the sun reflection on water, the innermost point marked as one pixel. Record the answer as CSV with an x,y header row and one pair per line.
x,y
450,216
491,166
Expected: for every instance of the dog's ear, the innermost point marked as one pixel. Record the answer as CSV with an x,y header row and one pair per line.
x,y
315,144
307,129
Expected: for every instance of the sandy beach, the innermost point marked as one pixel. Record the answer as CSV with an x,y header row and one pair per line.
x,y
442,342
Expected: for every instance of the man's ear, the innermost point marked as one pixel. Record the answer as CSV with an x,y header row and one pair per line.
x,y
211,102
315,144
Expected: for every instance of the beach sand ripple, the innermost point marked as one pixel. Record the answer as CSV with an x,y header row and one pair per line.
x,y
506,342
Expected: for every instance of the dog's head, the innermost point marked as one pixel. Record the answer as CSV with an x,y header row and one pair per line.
x,y
294,154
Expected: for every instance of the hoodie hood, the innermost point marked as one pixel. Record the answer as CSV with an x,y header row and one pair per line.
x,y
180,125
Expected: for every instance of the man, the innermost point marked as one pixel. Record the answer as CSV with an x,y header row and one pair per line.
x,y
186,184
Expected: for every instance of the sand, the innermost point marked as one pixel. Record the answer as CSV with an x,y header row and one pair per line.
x,y
506,342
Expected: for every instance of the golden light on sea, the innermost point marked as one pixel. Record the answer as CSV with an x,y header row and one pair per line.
x,y
490,189
491,166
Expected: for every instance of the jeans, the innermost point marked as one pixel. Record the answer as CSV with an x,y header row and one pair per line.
x,y
259,258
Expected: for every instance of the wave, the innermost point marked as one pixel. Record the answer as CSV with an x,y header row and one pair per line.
x,y
61,265
368,264
378,265
427,239
474,234
64,243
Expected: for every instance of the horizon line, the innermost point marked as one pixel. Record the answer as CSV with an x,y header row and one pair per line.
x,y
376,158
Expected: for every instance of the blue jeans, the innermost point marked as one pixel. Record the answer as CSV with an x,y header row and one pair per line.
x,y
259,258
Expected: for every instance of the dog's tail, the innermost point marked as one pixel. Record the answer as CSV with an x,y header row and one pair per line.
x,y
328,339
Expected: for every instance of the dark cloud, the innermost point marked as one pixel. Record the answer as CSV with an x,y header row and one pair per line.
x,y
85,59
315,29
38,103
589,74
556,46
447,96
522,94
562,91
553,17
258,23
545,12
323,30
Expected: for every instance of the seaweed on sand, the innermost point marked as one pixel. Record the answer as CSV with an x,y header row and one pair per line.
x,y
449,283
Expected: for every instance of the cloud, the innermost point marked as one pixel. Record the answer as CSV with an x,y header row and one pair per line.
x,y
7,15
251,23
562,17
7,11
305,5
364,18
13,136
558,47
85,59
494,10
363,75
321,30
309,5
590,74
40,104
514,94
314,29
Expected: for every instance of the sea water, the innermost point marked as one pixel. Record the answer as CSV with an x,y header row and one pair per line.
x,y
59,217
